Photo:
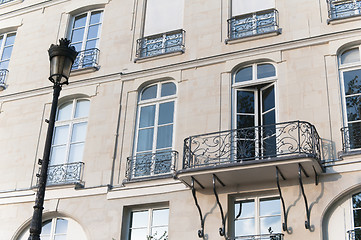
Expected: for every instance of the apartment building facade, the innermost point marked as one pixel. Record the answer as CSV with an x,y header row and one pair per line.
x,y
202,119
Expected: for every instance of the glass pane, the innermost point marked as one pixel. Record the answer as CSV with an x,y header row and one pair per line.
x,y
269,118
357,234
46,227
353,105
166,112
91,44
352,81
77,35
95,17
149,92
160,217
270,223
139,219
244,209
61,134
138,234
10,39
244,227
245,102
165,135
168,89
356,200
245,74
4,64
80,21
61,226
82,108
268,98
64,112
265,70
160,233
57,155
147,115
77,46
355,135
76,152
145,140
357,217
79,132
350,56
93,31
60,237
244,121
6,53
270,206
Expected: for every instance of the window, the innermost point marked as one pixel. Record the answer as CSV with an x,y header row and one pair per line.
x,y
162,31
6,47
350,74
257,218
154,133
356,210
68,142
251,18
339,9
84,36
255,111
150,224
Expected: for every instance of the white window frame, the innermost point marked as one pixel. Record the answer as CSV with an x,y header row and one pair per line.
x,y
5,35
352,212
53,234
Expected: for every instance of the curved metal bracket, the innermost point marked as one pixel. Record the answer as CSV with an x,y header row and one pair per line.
x,y
222,230
284,224
300,170
201,231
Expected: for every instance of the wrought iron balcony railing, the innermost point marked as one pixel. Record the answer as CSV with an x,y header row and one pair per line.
x,y
338,9
273,236
354,234
151,164
296,138
3,74
86,58
253,24
162,43
69,173
5,1
351,137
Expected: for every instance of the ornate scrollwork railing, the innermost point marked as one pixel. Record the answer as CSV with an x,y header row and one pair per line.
x,y
296,138
354,234
86,58
343,8
159,44
151,164
69,173
253,24
272,236
3,74
5,1
351,137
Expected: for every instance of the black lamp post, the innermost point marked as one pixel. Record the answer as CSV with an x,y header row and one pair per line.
x,y
61,57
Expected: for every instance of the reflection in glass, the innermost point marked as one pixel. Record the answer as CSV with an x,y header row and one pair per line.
x,y
245,102
352,81
246,208
149,92
244,227
168,89
270,223
245,74
270,206
353,105
265,70
95,17
268,98
160,217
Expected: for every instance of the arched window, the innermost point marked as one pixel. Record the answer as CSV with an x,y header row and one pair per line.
x,y
350,75
68,142
154,130
254,106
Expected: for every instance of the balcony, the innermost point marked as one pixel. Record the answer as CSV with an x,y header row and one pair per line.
x,y
253,24
86,59
150,165
3,74
252,154
160,44
5,1
340,9
275,236
351,137
69,173
354,234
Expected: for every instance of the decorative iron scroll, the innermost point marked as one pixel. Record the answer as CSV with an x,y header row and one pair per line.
x,y
351,137
254,143
69,173
5,1
161,44
272,236
354,234
253,24
151,164
86,58
3,73
343,9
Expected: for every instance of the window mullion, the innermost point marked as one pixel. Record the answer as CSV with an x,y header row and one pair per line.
x,y
86,30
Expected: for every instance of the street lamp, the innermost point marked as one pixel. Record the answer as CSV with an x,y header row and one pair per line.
x,y
61,58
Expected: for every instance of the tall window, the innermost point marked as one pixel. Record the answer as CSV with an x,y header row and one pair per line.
x,y
149,224
254,96
68,141
84,36
350,74
6,47
255,217
356,209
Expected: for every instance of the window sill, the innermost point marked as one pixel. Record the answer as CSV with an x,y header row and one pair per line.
x,y
343,154
84,70
334,21
253,37
75,185
148,178
155,57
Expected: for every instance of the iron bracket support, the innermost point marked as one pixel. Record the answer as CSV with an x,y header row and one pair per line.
x,y
300,170
284,224
222,230
201,231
